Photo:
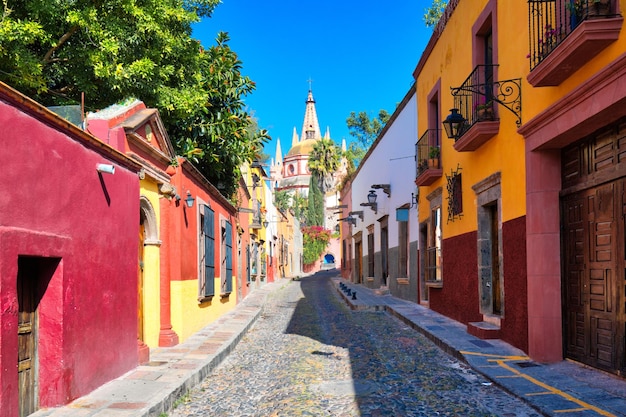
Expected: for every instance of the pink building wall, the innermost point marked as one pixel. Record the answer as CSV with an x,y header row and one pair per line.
x,y
82,226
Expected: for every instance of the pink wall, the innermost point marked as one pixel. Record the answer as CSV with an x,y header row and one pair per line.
x,y
55,204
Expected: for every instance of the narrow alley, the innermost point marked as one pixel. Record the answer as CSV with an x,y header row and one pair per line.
x,y
309,355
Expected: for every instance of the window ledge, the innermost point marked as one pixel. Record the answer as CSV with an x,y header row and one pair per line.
x,y
434,284
205,299
402,281
477,135
225,295
369,279
584,43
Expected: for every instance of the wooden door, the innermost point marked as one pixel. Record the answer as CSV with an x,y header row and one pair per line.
x,y
358,250
27,336
593,276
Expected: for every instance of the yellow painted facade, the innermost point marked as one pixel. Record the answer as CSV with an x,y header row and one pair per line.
x,y
449,64
188,316
151,269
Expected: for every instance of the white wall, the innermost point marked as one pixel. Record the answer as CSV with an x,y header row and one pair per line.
x,y
391,161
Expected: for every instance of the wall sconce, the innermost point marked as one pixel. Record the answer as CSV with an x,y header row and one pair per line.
x,y
385,187
351,220
106,168
189,200
357,213
415,198
371,201
266,223
454,124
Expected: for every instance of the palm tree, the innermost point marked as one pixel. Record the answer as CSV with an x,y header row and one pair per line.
x,y
324,161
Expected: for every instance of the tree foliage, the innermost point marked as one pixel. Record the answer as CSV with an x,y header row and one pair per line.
x,y
315,208
365,131
434,12
54,50
324,161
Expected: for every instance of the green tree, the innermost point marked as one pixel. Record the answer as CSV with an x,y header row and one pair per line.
x,y
315,209
434,12
54,50
365,131
324,161
282,200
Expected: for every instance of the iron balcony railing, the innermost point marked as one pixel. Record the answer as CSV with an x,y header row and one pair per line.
x,y
551,21
480,94
428,152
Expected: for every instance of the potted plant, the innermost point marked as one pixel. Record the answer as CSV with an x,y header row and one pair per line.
x,y
433,157
599,7
484,111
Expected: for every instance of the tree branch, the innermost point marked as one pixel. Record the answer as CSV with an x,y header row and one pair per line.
x,y
47,59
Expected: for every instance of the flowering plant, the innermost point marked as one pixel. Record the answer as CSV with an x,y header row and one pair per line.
x,y
550,38
315,239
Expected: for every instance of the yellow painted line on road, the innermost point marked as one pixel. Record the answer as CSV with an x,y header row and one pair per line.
x,y
501,361
534,394
571,410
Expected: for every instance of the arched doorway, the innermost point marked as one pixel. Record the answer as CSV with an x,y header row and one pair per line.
x,y
148,276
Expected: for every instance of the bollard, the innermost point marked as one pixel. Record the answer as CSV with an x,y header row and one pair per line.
x,y
349,292
354,295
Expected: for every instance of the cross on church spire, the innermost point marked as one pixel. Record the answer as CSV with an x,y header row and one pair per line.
x,y
310,81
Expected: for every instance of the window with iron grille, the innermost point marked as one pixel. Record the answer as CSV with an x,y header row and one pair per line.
x,y
206,284
403,249
370,254
227,263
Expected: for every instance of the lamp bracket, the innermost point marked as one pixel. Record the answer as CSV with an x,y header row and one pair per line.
x,y
373,206
357,213
385,187
507,93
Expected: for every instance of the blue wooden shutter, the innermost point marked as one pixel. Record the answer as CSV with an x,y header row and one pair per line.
x,y
209,251
229,257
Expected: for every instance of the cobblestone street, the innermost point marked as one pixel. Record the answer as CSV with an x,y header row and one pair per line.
x,y
309,355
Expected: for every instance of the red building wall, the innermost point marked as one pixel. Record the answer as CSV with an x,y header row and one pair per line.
x,y
56,205
460,277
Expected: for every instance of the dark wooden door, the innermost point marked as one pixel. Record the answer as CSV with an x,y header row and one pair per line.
x,y
27,337
593,275
358,251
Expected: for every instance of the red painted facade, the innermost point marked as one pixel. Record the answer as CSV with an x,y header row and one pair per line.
x,y
79,227
461,278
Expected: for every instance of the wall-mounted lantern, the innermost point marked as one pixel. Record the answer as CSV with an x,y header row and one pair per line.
x,y
454,124
189,200
371,201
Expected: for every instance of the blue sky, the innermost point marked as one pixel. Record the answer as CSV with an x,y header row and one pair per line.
x,y
359,54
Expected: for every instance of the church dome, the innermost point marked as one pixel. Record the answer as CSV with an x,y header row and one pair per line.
x,y
302,148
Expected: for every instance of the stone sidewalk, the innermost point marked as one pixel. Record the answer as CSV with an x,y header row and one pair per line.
x,y
152,389
561,389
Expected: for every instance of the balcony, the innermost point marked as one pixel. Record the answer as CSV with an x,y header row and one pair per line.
x,y
428,158
567,34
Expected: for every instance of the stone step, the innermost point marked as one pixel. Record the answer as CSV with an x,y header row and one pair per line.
x,y
484,330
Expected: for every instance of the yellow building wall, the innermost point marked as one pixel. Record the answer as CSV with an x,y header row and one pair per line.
x,y
151,272
451,63
188,316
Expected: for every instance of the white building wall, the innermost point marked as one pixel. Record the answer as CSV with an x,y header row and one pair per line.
x,y
390,161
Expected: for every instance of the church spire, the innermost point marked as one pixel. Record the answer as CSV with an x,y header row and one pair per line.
x,y
279,153
310,127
